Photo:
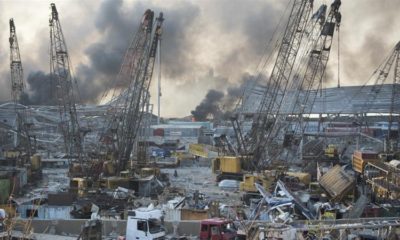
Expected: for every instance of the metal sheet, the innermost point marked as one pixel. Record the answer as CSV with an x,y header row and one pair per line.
x,y
337,182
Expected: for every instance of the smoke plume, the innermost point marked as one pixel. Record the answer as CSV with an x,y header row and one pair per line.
x,y
219,105
209,106
227,36
42,90
117,23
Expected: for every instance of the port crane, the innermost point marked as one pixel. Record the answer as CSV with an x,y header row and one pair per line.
x,y
60,70
250,149
395,96
17,88
287,53
391,67
133,103
311,80
264,126
270,120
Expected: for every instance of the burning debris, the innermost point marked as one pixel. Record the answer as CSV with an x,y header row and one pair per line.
x,y
209,106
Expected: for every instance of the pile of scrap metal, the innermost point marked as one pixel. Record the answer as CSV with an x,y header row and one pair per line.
x,y
170,193
281,206
294,179
150,186
146,186
369,228
195,207
110,203
334,211
288,203
113,195
198,206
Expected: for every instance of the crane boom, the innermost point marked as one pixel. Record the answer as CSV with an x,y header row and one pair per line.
x,y
316,64
17,74
136,70
381,74
60,71
280,76
144,125
17,87
395,95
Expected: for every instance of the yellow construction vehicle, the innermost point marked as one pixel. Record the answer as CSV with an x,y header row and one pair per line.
x,y
114,182
148,171
35,168
332,152
247,185
266,179
79,186
229,167
302,177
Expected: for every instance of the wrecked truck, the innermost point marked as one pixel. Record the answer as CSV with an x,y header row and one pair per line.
x,y
146,224
219,229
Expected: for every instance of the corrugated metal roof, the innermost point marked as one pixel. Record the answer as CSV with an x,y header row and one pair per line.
x,y
343,100
336,182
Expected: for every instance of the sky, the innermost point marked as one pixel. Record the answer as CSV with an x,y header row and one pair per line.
x,y
206,44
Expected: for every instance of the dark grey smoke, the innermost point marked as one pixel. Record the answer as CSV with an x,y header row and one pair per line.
x,y
255,21
118,25
236,92
117,28
5,86
41,90
360,58
220,105
105,55
209,107
116,22
249,24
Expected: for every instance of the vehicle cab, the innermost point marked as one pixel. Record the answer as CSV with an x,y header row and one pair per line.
x,y
217,229
145,224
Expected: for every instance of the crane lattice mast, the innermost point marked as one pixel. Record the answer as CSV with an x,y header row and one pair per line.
x,y
264,127
136,70
147,108
17,74
17,87
394,98
381,74
318,58
60,71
